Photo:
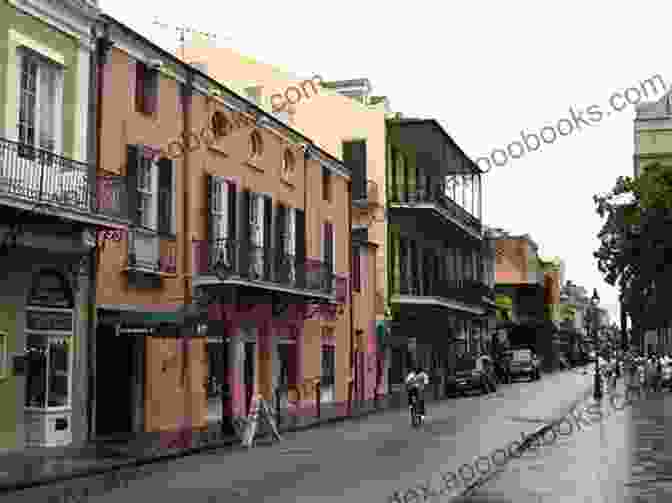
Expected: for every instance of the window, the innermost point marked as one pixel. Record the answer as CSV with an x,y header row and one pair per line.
x,y
256,145
4,364
356,268
220,124
146,88
49,332
326,184
146,193
288,162
328,366
40,103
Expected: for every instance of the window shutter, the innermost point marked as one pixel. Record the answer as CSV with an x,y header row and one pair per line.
x,y
165,196
151,90
329,255
268,216
300,227
243,248
132,160
354,158
231,200
280,215
140,86
207,249
356,268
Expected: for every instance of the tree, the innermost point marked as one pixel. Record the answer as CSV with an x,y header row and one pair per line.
x,y
636,243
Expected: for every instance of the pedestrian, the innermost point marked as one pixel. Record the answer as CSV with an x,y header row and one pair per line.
x,y
632,377
651,375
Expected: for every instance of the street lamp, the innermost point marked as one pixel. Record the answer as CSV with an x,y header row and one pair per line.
x,y
594,302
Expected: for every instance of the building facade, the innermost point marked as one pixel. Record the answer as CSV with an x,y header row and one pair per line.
x,y
61,206
435,251
354,134
233,278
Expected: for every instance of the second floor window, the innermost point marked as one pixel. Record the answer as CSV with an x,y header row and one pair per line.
x,y
326,184
146,193
356,268
146,88
40,103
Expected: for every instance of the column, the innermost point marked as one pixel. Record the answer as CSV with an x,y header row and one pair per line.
x,y
265,367
234,378
298,364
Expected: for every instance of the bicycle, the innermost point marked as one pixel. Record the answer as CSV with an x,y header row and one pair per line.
x,y
416,417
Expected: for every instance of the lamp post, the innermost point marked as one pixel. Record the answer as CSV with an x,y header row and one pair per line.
x,y
594,302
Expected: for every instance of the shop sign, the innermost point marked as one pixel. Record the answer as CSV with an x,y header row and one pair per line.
x,y
48,320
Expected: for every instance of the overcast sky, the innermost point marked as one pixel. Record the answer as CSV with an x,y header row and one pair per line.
x,y
485,71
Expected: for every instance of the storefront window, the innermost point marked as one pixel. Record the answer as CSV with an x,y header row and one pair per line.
x,y
49,334
48,376
59,372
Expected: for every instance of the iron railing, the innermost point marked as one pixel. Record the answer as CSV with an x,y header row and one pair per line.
x,y
463,290
238,259
42,177
434,194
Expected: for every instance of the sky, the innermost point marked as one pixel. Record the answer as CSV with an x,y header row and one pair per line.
x,y
486,71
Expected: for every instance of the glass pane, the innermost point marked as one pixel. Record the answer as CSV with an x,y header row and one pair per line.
x,y
58,373
47,106
36,371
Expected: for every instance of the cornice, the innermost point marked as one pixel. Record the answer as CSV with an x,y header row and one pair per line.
x,y
72,17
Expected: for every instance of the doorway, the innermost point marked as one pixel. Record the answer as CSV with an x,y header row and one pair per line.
x,y
218,393
249,373
119,382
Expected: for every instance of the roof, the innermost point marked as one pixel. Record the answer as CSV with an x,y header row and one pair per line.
x,y
195,71
334,84
434,123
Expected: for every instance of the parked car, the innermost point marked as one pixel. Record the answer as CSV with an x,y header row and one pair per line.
x,y
666,379
468,378
523,362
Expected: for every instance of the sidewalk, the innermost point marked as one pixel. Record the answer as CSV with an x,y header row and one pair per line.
x,y
623,458
39,466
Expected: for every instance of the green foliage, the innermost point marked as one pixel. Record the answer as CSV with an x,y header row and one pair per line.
x,y
636,239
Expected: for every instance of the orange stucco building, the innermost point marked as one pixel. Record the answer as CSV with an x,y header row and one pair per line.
x,y
304,103
232,280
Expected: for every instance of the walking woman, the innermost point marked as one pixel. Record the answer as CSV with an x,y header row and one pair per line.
x,y
632,379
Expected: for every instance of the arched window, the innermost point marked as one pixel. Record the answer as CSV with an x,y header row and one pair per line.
x,y
288,163
49,333
256,145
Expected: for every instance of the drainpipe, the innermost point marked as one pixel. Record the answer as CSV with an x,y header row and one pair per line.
x,y
187,93
98,58
353,353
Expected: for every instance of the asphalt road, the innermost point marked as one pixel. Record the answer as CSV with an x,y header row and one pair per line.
x,y
626,457
366,460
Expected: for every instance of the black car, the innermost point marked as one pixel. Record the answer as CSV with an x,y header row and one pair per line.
x,y
468,379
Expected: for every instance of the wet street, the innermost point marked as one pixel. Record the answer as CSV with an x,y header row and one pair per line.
x,y
366,460
624,458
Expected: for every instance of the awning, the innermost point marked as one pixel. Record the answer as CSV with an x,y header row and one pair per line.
x,y
142,317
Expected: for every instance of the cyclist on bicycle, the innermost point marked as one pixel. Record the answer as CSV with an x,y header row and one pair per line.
x,y
416,380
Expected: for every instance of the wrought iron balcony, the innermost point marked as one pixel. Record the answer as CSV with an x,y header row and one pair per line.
x,y
31,175
466,291
434,194
234,259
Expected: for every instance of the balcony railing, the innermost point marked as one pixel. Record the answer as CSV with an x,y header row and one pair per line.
x,y
236,259
434,195
42,177
463,290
